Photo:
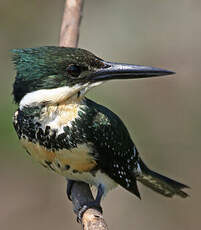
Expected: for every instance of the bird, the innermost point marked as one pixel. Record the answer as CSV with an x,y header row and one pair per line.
x,y
72,135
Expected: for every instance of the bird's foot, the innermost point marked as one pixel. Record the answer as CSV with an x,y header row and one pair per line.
x,y
91,204
95,204
69,188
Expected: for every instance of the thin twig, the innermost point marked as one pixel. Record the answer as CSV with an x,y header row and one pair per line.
x,y
80,193
72,16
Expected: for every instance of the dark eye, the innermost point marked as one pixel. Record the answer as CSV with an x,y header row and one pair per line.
x,y
74,70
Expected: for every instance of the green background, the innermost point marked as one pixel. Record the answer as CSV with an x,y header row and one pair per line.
x,y
163,115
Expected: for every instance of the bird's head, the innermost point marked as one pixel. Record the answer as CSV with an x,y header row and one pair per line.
x,y
53,74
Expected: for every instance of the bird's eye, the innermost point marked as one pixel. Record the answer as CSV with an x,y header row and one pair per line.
x,y
74,70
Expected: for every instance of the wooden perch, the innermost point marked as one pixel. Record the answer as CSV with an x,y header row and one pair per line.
x,y
72,16
80,193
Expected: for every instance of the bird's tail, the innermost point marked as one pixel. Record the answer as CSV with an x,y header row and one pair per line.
x,y
159,183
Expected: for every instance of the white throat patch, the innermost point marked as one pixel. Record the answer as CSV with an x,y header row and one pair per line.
x,y
56,95
50,96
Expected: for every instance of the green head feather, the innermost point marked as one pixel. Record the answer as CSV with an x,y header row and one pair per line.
x,y
48,67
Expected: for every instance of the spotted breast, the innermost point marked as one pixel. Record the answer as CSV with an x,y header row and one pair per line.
x,y
45,132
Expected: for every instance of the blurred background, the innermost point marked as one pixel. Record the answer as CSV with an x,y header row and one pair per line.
x,y
163,115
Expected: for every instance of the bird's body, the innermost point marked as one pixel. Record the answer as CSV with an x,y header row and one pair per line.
x,y
72,135
78,139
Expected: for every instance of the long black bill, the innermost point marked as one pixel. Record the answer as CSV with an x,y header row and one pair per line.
x,y
127,71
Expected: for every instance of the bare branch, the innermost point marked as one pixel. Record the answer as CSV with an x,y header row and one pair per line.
x,y
69,34
80,193
93,220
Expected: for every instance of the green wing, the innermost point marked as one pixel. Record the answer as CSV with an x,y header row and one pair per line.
x,y
117,154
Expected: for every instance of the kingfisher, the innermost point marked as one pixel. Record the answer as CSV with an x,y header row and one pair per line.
x,y
72,135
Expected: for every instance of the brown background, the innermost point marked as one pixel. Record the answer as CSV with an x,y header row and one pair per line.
x,y
163,115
